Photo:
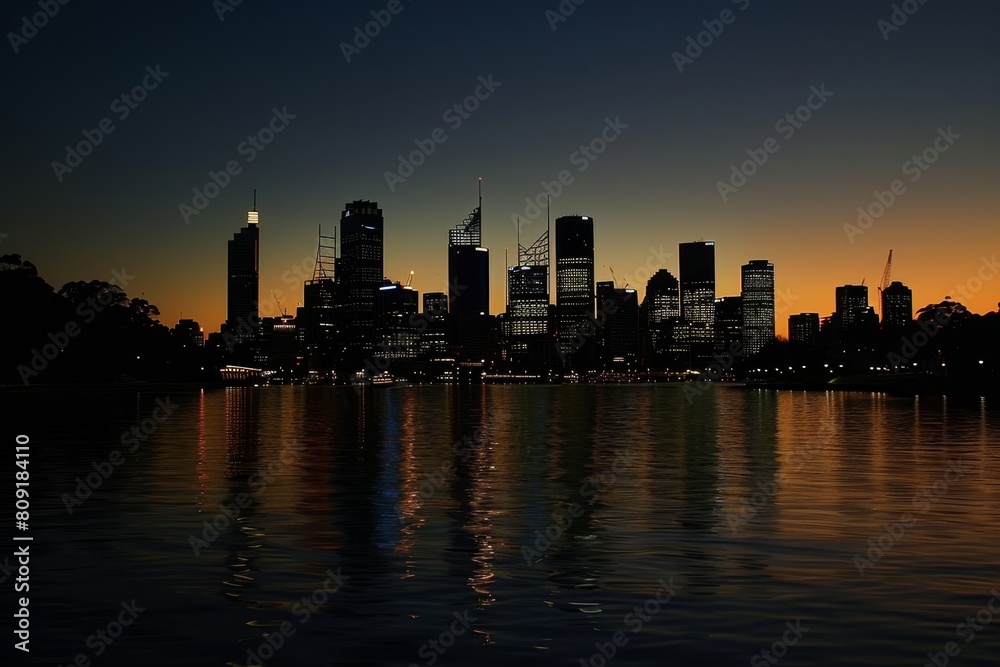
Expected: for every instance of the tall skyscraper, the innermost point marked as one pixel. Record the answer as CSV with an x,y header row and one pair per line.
x,y
729,318
852,304
662,306
318,321
574,277
243,286
618,339
758,305
468,267
528,289
897,306
697,268
359,275
469,289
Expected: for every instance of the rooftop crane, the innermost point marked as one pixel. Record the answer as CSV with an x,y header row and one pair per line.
x,y
409,280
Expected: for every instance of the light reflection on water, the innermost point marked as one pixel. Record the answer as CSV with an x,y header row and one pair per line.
x,y
755,503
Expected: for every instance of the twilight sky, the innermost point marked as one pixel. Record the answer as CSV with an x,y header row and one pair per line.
x,y
655,185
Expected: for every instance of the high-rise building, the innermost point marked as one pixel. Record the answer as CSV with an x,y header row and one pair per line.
x,y
758,305
359,275
243,283
468,267
852,304
317,319
528,290
189,333
730,314
469,290
618,339
897,306
803,329
574,278
662,306
697,278
398,331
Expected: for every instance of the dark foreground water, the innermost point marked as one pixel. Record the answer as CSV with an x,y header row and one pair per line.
x,y
512,526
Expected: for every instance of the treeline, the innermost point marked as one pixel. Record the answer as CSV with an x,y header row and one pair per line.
x,y
85,332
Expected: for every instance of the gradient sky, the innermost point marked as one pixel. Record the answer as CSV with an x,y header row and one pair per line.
x,y
656,185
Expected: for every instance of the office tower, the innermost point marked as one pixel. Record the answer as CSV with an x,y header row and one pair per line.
x,y
897,306
435,304
758,305
243,287
398,328
852,304
528,289
574,280
359,273
662,306
804,328
730,314
697,278
618,339
469,289
278,346
319,325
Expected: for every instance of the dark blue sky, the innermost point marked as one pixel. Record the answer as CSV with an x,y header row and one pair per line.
x,y
656,185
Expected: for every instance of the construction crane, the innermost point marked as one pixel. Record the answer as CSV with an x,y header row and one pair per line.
x,y
886,277
409,280
615,278
277,302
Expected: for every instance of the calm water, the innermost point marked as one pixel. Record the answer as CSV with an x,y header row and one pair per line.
x,y
752,506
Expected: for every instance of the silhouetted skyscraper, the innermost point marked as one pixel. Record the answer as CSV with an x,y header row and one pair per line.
x,y
852,304
618,339
469,289
758,305
359,275
662,306
897,306
730,314
243,286
697,268
574,277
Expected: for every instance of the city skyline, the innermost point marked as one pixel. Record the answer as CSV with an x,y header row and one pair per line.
x,y
670,138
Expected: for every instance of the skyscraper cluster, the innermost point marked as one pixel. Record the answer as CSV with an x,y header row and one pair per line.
x,y
355,323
